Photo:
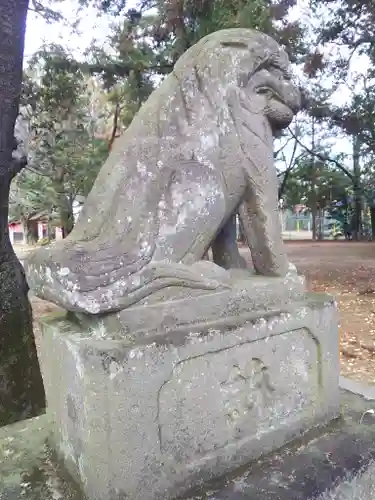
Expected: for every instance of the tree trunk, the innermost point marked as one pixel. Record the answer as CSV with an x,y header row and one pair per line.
x,y
320,235
283,184
176,19
64,205
31,231
313,198
314,215
21,386
357,218
372,216
116,117
67,219
65,213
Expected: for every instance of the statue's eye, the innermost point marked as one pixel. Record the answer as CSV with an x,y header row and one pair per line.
x,y
279,72
274,68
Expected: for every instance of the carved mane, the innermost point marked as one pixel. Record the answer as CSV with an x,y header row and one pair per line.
x,y
198,83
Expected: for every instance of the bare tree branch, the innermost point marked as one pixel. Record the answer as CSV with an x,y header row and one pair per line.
x,y
276,153
323,158
114,127
289,168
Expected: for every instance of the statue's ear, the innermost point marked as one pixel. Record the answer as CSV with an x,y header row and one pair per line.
x,y
235,45
233,100
243,79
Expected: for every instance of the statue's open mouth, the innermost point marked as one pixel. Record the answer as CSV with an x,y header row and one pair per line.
x,y
272,93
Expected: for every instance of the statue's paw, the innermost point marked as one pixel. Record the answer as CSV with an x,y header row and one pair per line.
x,y
292,270
242,263
211,272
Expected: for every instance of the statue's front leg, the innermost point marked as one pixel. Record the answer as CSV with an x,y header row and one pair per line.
x,y
260,220
224,247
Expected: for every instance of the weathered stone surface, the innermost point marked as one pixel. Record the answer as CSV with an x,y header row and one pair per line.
x,y
335,462
148,420
199,150
247,295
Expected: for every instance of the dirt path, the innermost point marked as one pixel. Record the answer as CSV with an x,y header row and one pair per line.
x,y
347,271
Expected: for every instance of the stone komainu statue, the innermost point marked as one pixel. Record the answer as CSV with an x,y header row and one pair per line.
x,y
199,151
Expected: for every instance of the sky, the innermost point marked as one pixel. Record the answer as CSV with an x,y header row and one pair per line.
x,y
38,31
91,26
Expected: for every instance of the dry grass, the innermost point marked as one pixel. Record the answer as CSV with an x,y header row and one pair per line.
x,y
346,270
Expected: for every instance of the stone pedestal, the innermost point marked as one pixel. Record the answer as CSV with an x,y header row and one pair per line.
x,y
147,417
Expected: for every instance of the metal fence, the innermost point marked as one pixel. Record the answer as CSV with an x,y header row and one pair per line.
x,y
294,222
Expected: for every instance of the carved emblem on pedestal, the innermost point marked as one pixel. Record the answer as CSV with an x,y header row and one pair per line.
x,y
247,388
